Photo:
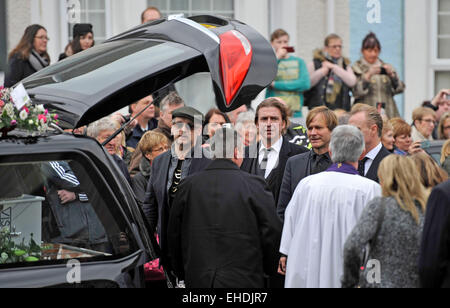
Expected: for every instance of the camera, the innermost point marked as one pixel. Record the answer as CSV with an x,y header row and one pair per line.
x,y
425,144
383,71
289,49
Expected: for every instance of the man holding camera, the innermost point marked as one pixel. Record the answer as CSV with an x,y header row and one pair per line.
x,y
331,77
292,78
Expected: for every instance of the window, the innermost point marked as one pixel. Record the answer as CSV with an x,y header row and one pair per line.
x,y
440,45
194,7
443,33
95,12
52,211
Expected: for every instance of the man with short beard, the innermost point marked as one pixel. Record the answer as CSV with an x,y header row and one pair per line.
x,y
169,169
320,123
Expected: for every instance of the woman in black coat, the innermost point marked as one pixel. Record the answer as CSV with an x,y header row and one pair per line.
x,y
29,56
151,145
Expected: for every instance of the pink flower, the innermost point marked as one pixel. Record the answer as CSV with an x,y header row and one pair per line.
x,y
26,109
13,122
42,117
2,104
55,117
46,112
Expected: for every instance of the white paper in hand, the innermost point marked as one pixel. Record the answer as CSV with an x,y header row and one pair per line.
x,y
20,96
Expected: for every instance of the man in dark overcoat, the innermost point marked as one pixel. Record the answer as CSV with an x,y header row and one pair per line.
x,y
168,170
223,228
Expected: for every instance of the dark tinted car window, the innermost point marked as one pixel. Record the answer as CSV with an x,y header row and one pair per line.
x,y
107,64
54,210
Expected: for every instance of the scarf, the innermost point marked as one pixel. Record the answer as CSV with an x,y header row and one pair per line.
x,y
37,62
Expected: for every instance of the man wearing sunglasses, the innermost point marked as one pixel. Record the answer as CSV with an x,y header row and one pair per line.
x,y
185,158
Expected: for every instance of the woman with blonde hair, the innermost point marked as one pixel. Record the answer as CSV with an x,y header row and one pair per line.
x,y
430,172
445,156
391,226
444,127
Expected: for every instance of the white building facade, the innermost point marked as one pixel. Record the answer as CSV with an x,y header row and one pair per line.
x,y
415,34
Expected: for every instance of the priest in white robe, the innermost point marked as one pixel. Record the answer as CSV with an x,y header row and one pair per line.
x,y
321,214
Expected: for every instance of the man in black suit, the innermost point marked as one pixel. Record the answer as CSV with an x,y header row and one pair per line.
x,y
223,229
320,123
370,123
268,158
169,169
434,259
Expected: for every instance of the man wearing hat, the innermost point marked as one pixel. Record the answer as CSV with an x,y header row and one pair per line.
x,y
83,38
169,169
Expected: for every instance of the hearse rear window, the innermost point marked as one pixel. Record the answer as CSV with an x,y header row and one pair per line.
x,y
52,210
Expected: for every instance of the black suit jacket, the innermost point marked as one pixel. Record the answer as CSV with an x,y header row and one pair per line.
x,y
372,174
297,168
434,259
275,178
156,205
223,229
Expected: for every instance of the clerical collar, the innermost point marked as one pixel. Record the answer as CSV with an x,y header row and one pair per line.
x,y
343,168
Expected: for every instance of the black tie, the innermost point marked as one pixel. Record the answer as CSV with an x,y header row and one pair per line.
x,y
361,166
263,165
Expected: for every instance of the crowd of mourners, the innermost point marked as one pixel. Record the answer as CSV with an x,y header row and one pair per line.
x,y
253,198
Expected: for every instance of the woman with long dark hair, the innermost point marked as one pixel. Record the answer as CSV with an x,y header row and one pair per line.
x,y
83,38
377,81
29,56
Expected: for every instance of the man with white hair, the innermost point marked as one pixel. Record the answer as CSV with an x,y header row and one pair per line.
x,y
223,229
321,214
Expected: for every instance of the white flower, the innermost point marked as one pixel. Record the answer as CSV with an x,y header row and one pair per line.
x,y
40,108
23,115
9,108
30,122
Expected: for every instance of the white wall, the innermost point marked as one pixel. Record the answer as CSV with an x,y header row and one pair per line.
x,y
254,13
17,19
126,14
417,57
47,13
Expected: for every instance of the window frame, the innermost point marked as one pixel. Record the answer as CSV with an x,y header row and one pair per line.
x,y
436,64
64,23
103,187
190,12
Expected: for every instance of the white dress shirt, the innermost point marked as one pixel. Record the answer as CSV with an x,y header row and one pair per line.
x,y
274,153
371,157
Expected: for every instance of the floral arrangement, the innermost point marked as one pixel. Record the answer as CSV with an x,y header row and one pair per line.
x,y
30,117
12,253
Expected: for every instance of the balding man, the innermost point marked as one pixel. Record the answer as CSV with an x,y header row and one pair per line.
x,y
150,14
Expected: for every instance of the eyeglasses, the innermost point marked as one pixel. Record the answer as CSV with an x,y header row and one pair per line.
x,y
43,38
160,149
182,125
429,121
336,46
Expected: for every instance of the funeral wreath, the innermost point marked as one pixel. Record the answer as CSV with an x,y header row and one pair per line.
x,y
30,117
